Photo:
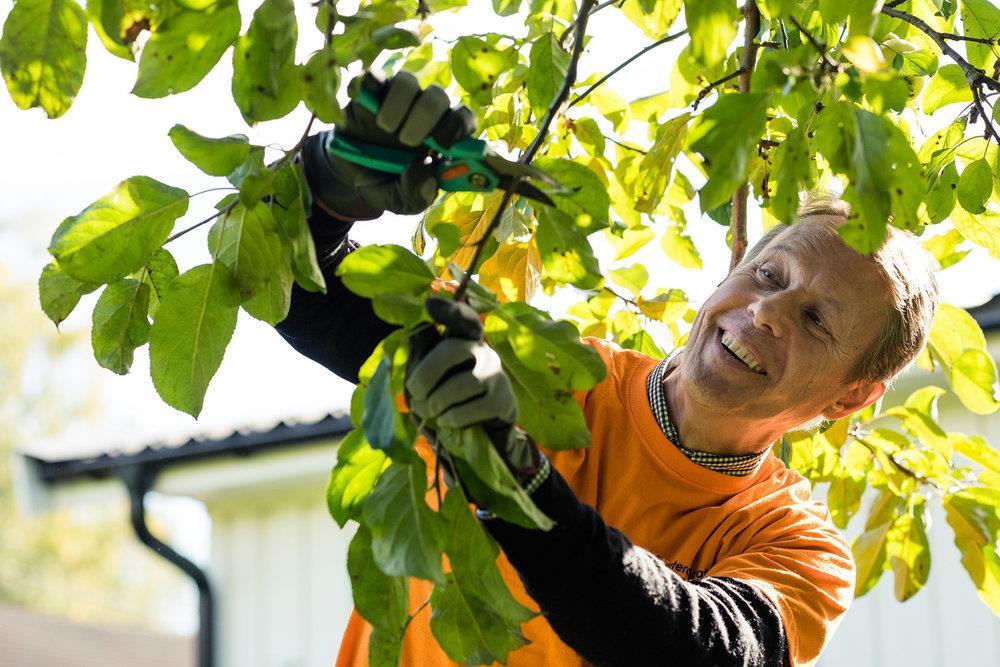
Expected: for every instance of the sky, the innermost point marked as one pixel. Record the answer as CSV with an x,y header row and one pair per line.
x,y
55,168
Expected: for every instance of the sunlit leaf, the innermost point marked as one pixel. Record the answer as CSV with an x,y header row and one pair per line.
x,y
43,54
120,324
353,478
215,157
58,292
266,81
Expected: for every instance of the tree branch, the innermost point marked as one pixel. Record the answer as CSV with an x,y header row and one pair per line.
x,y
738,226
828,62
977,100
703,93
629,61
903,468
536,143
207,220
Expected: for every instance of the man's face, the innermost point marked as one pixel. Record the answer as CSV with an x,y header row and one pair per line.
x,y
777,340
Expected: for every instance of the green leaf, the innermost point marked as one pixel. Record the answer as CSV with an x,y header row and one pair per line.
x,y
566,254
981,18
272,298
488,479
380,599
947,86
587,200
193,326
293,198
589,134
506,7
869,557
653,18
794,170
161,268
983,229
679,247
353,478
379,421
392,37
975,186
712,26
657,165
547,346
43,54
109,19
844,498
974,380
974,515
120,324
976,449
215,157
475,619
546,72
632,278
266,82
184,48
940,199
726,135
59,292
382,269
320,85
246,241
883,172
476,65
952,332
944,247
909,552
628,241
549,414
115,235
407,537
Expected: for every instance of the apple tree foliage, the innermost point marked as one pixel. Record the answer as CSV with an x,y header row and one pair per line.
x,y
761,100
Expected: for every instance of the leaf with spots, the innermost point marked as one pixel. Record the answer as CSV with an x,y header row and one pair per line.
x,y
266,81
476,65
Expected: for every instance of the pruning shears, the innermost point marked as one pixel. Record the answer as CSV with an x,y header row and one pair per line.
x,y
469,165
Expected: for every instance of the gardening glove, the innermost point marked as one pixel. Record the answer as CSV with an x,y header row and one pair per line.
x,y
458,382
407,116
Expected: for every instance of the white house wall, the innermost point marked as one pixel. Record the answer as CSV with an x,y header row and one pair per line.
x,y
280,573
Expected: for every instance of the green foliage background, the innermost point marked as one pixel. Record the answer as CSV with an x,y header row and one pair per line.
x,y
764,100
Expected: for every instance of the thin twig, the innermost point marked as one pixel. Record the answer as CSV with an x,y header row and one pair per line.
x,y
816,44
662,40
902,467
703,93
413,615
965,38
978,102
203,222
536,143
738,225
625,146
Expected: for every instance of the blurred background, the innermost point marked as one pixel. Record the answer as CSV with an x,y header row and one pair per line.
x,y
240,492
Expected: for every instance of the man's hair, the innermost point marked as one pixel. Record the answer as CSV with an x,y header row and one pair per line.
x,y
908,271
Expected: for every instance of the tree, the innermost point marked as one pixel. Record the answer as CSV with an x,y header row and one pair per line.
x,y
85,563
765,100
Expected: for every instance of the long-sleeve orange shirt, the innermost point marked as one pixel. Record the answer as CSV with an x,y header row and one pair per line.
x,y
763,530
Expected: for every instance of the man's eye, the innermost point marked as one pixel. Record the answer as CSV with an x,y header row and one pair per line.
x,y
768,275
815,318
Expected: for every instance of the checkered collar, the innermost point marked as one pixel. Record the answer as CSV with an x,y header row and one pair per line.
x,y
738,465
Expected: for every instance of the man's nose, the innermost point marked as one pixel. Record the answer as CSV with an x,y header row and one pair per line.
x,y
770,312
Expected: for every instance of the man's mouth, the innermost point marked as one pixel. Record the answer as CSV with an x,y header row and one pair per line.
x,y
741,353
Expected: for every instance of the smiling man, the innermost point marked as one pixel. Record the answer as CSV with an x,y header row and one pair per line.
x,y
679,538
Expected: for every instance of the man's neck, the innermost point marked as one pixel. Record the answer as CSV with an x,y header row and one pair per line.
x,y
707,429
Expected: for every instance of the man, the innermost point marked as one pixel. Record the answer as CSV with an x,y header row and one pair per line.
x,y
679,538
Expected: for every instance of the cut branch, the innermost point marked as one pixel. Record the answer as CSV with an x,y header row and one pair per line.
x,y
536,143
738,226
623,65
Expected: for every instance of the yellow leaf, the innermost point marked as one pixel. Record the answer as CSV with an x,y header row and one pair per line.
x,y
512,273
664,307
864,53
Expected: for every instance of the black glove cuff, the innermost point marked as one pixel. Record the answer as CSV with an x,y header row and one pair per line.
x,y
328,185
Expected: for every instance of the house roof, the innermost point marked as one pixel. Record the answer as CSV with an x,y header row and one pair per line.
x,y
34,640
240,442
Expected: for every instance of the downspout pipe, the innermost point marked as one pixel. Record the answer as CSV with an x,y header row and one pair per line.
x,y
138,480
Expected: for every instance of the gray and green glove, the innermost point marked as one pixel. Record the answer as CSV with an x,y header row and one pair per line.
x,y
457,381
407,116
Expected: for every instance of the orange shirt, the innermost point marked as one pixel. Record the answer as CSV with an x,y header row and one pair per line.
x,y
764,528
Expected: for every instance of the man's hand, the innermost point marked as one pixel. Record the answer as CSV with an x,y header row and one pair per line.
x,y
458,382
407,116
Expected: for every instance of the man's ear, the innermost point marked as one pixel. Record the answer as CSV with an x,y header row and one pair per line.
x,y
857,397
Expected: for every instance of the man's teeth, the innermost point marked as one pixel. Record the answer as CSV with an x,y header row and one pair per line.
x,y
741,352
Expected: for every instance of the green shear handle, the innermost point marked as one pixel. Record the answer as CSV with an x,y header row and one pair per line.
x,y
470,165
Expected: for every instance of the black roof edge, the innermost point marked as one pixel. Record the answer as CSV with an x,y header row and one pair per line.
x,y
239,444
987,314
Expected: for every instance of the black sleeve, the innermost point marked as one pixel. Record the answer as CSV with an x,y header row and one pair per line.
x,y
617,604
339,329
